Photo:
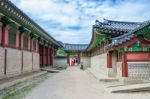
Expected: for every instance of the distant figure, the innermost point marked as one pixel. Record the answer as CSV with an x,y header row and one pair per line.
x,y
72,62
76,60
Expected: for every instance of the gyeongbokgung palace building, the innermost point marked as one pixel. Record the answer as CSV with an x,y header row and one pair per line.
x,y
121,50
118,50
24,45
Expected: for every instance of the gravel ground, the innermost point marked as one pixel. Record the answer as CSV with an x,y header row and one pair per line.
x,y
20,90
74,83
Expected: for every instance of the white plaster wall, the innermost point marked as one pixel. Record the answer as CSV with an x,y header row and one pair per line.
x,y
27,61
13,67
119,69
2,53
86,61
99,63
112,72
60,61
36,62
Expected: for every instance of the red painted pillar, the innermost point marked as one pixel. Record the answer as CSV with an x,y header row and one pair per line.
x,y
43,55
109,60
37,46
21,41
0,34
79,57
68,58
48,56
5,36
52,56
17,39
124,65
29,43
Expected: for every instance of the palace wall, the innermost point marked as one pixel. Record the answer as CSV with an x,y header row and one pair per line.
x,y
27,61
36,61
2,54
60,61
86,61
99,64
14,62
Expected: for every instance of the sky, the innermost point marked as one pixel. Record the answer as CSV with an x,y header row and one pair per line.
x,y
70,21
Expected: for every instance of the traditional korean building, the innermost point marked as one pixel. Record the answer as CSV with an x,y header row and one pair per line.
x,y
24,45
121,50
78,53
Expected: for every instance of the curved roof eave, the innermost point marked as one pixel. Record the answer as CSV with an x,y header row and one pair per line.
x,y
11,11
91,42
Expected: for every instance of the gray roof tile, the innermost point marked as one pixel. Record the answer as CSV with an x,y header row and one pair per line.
x,y
75,47
128,36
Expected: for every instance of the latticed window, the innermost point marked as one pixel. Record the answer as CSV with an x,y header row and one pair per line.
x,y
25,41
34,45
12,36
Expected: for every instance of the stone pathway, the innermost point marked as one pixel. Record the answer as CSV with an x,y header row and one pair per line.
x,y
74,83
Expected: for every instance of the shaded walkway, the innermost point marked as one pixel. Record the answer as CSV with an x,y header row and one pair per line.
x,y
76,84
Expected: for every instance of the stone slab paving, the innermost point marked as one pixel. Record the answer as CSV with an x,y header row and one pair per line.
x,y
74,83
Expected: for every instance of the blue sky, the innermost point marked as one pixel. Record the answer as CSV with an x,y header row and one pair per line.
x,y
70,21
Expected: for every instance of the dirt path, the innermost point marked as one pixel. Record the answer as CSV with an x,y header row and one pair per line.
x,y
76,84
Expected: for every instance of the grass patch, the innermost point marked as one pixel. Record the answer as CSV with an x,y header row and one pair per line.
x,y
22,89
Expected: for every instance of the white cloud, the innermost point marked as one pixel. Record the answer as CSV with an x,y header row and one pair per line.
x,y
55,16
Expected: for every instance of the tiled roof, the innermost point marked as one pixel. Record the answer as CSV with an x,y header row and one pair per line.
x,y
128,36
117,25
75,47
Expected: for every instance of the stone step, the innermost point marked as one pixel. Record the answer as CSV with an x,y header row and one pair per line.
x,y
50,70
109,79
129,88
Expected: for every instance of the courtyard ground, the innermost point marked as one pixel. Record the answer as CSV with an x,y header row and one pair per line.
x,y
74,83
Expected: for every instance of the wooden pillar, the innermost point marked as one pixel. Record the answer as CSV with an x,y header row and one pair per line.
x,y
37,46
21,41
48,56
79,57
109,59
51,56
124,65
29,43
68,58
17,39
43,55
5,36
0,33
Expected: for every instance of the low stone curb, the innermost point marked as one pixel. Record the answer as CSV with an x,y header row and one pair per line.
x,y
50,70
14,82
129,88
